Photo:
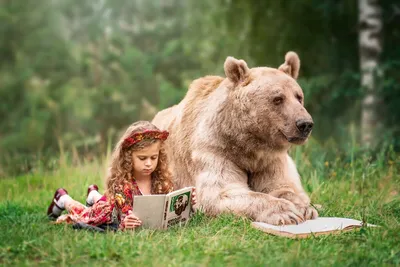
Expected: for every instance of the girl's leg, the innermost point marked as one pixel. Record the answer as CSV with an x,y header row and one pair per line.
x,y
62,201
96,197
93,195
71,203
57,206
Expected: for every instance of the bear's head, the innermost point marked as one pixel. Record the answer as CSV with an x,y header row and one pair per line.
x,y
269,101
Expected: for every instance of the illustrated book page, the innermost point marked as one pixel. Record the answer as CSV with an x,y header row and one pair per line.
x,y
178,206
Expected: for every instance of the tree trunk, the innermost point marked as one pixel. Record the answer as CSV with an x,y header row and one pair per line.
x,y
370,45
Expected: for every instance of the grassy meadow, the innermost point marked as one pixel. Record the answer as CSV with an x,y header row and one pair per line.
x,y
349,184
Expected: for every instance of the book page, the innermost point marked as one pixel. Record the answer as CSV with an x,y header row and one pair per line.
x,y
150,209
179,205
309,227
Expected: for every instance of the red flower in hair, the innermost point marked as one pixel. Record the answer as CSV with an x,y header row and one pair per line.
x,y
148,134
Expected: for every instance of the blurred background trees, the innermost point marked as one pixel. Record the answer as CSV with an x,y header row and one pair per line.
x,y
75,73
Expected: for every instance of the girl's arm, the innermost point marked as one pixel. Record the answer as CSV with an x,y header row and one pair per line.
x,y
125,202
130,221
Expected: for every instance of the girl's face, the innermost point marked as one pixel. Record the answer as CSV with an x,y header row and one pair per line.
x,y
145,160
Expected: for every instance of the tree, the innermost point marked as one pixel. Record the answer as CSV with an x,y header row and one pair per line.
x,y
370,45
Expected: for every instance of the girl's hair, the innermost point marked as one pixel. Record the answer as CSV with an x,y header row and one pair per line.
x,y
121,165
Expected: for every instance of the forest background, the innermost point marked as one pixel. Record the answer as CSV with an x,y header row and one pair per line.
x,y
74,74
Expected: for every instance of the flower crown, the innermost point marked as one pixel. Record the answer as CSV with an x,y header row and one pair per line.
x,y
147,134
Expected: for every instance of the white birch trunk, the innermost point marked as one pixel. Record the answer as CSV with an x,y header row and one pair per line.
x,y
370,45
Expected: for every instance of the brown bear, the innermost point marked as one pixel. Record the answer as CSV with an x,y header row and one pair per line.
x,y
230,138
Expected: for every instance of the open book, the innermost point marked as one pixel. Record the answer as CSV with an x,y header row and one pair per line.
x,y
162,211
319,226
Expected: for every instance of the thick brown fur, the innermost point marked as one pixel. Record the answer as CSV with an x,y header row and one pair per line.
x,y
230,138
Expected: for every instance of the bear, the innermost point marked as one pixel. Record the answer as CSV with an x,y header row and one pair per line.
x,y
230,137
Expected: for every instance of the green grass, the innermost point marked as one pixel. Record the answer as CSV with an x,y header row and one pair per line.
x,y
346,184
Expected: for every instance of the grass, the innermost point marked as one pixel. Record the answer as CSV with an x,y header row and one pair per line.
x,y
347,184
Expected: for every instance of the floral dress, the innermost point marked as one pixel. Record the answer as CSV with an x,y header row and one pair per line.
x,y
105,211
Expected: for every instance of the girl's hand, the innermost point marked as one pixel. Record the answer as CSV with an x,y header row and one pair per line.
x,y
194,201
131,221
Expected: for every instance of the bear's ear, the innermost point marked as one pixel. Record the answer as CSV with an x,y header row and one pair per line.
x,y
291,65
236,70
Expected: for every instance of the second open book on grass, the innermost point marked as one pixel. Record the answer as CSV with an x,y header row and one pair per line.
x,y
162,211
319,226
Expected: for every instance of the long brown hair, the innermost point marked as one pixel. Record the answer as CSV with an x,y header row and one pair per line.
x,y
120,171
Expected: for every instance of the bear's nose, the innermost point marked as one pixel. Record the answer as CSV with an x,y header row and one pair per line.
x,y
304,126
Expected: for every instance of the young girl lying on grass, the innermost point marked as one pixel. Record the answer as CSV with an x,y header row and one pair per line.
x,y
138,167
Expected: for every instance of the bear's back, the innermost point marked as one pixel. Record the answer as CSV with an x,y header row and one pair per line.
x,y
201,88
195,101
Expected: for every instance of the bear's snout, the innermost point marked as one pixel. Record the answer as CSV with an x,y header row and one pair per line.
x,y
304,126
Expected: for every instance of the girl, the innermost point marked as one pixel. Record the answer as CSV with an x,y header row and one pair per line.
x,y
138,167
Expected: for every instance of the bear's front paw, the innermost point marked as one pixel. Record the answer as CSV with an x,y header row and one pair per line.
x,y
303,206
308,211
281,212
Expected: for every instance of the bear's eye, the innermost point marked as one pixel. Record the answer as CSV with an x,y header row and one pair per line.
x,y
300,98
278,100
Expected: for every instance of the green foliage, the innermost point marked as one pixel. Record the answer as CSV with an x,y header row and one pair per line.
x,y
74,74
28,98
390,93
